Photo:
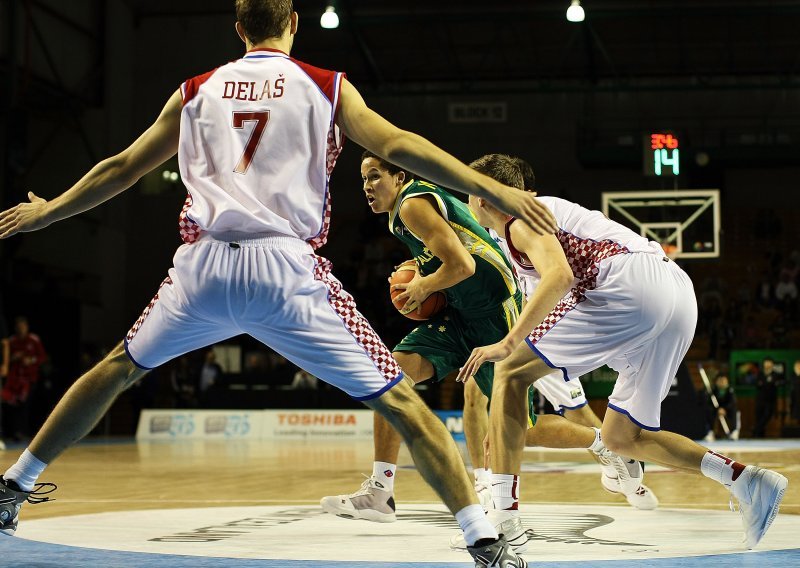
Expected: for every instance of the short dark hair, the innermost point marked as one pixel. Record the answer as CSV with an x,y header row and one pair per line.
x,y
263,19
388,166
528,177
500,167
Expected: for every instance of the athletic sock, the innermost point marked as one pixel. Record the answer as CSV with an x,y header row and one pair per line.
x,y
383,472
597,445
482,475
505,491
721,469
26,471
475,525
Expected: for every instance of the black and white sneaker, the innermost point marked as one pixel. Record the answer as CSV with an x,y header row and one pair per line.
x,y
12,498
495,554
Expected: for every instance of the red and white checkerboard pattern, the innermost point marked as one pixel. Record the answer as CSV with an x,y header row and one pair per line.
x,y
135,329
189,230
334,150
356,324
583,256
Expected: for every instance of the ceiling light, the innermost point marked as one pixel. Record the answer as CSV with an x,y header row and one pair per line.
x,y
329,19
575,12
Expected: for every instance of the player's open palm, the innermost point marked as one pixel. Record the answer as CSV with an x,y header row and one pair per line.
x,y
24,218
480,355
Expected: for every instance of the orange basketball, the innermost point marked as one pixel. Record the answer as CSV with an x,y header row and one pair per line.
x,y
433,304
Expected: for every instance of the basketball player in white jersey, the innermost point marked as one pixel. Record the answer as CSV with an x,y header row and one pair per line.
x,y
257,140
605,296
568,397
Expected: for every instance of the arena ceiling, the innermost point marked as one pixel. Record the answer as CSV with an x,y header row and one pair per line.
x,y
424,44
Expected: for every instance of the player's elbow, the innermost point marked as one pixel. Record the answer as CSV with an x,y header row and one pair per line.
x,y
466,267
560,278
118,170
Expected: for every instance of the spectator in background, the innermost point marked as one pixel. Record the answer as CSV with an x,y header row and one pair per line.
x,y
210,373
303,380
767,384
183,383
23,356
795,412
281,371
726,408
786,294
256,368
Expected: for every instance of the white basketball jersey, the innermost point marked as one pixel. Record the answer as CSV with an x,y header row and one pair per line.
x,y
586,236
258,142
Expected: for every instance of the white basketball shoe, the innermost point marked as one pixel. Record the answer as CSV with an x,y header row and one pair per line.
x,y
643,498
759,492
629,473
372,502
508,524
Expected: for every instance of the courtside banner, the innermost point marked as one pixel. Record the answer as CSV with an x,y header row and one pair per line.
x,y
199,424
317,424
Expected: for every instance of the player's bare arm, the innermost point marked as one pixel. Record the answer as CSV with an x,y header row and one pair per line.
x,y
413,152
422,218
107,179
546,254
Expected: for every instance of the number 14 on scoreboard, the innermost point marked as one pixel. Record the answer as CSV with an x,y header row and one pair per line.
x,y
665,154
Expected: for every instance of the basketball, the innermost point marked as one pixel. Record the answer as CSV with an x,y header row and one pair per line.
x,y
432,305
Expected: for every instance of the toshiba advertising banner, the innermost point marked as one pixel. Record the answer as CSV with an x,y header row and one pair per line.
x,y
305,424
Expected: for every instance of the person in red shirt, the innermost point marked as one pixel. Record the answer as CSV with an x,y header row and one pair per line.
x,y
25,354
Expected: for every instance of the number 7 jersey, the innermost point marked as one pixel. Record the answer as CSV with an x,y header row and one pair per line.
x,y
258,142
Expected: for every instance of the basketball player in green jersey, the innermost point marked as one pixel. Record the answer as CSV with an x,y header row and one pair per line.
x,y
457,256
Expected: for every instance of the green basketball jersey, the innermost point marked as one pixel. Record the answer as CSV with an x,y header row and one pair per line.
x,y
493,281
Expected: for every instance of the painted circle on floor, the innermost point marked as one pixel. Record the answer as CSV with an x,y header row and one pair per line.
x,y
421,533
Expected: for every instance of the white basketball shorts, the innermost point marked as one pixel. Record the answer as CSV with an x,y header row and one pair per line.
x,y
563,395
276,290
639,320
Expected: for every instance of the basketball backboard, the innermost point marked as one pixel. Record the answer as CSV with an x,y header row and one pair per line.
x,y
685,221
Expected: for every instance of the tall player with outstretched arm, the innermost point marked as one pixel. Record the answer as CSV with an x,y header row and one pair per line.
x,y
256,141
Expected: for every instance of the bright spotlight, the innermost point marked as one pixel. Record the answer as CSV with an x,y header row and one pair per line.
x,y
575,12
329,19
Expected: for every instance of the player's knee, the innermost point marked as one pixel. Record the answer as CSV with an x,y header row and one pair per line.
x,y
404,410
398,403
509,371
473,396
119,366
618,442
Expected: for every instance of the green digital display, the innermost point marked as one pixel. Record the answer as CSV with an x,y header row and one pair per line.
x,y
662,155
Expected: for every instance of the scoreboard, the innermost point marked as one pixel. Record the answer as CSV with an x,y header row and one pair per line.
x,y
661,155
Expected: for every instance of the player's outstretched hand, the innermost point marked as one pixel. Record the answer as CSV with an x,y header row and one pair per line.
x,y
524,205
480,355
24,218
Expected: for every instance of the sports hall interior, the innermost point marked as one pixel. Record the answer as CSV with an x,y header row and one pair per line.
x,y
580,101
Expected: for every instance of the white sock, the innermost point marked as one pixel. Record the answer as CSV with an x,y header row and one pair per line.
x,y
482,475
475,525
597,445
26,471
384,473
505,491
721,469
